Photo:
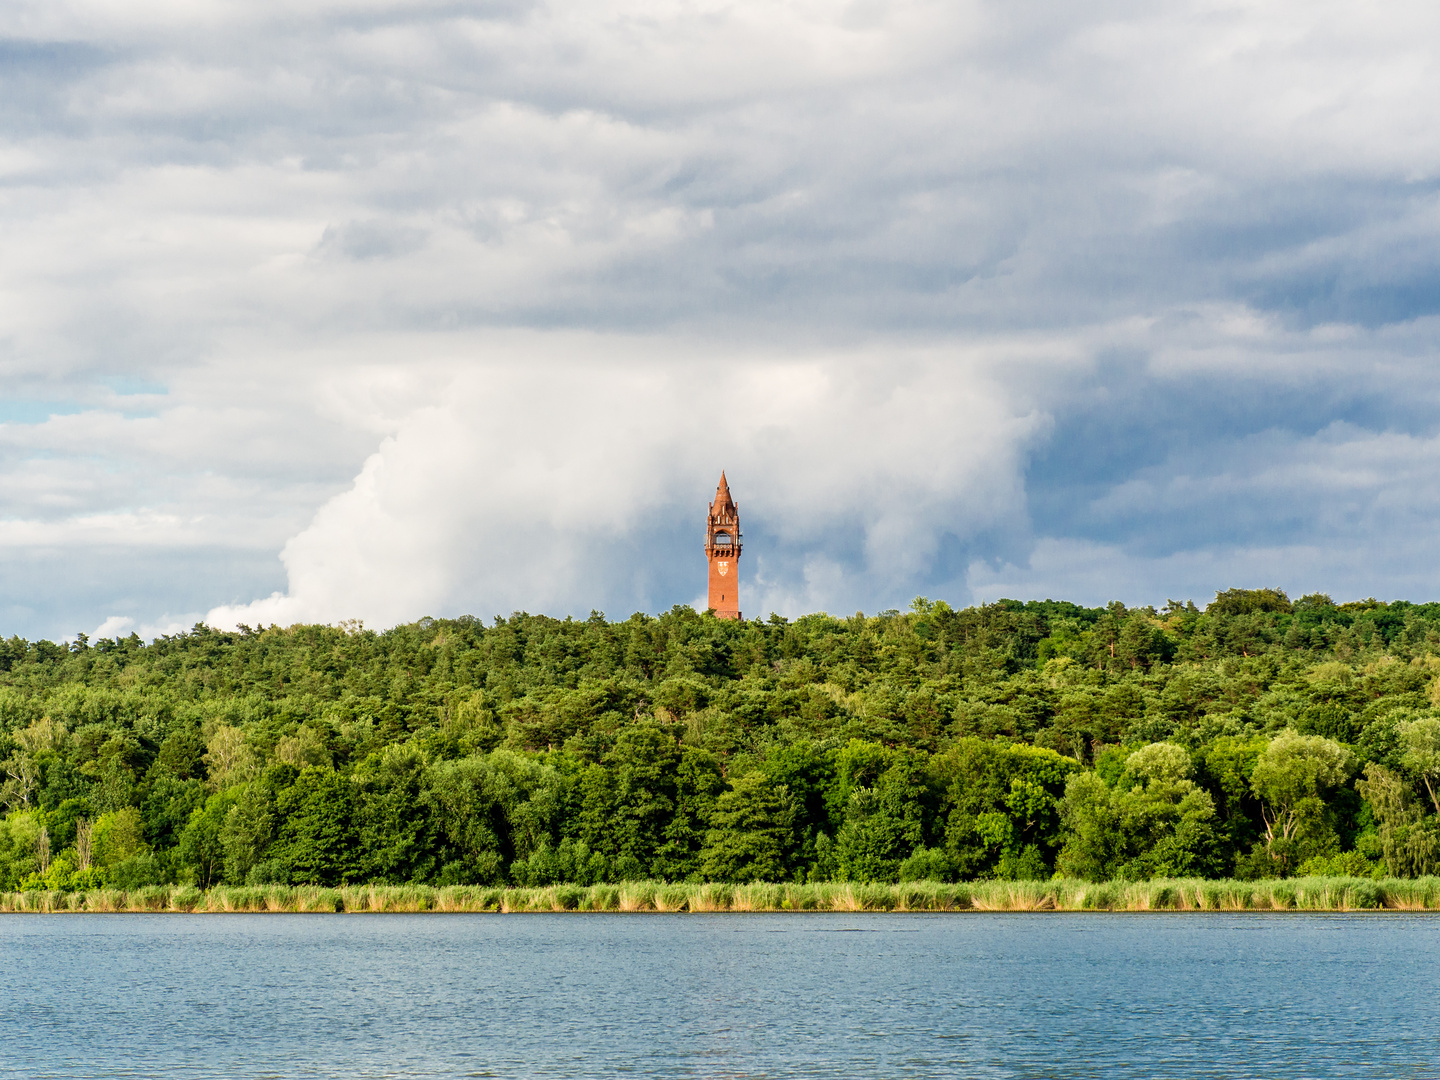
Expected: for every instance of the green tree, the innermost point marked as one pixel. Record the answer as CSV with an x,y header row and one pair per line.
x,y
884,822
398,837
752,837
1420,753
167,807
117,836
229,760
19,847
698,784
1142,643
182,754
1409,838
464,799
200,848
628,802
1153,821
1229,762
1000,807
1290,778
1248,601
251,823
491,809
808,772
317,837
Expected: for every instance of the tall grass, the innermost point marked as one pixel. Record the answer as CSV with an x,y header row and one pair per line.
x,y
1295,894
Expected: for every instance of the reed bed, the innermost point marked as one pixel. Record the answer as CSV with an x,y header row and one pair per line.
x,y
1295,894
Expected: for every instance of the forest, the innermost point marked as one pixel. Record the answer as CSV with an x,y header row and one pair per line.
x,y
1258,738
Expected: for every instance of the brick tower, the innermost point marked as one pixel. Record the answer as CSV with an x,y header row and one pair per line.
x,y
722,551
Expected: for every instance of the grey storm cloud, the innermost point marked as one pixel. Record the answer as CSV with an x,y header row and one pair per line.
x,y
365,309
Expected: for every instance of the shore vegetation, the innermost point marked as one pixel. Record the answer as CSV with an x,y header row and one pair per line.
x,y
1290,894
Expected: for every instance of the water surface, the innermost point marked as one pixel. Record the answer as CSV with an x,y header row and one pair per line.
x,y
819,995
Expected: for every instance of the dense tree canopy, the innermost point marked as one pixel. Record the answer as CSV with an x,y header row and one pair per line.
x,y
1259,737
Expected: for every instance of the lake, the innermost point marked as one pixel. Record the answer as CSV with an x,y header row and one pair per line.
x,y
960,995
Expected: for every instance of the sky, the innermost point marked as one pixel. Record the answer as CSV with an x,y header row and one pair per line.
x,y
355,309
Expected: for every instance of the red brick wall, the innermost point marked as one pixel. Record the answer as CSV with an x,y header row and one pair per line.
x,y
725,585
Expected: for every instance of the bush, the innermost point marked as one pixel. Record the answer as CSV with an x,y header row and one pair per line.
x,y
1350,864
137,871
927,864
269,872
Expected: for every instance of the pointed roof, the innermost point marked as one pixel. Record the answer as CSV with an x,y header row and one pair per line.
x,y
722,494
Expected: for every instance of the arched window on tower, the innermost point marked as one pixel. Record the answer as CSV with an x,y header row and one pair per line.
x,y
722,539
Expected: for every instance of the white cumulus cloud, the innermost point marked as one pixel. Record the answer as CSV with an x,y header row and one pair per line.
x,y
575,479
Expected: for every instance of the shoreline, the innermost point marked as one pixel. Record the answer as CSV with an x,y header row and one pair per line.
x,y
1293,894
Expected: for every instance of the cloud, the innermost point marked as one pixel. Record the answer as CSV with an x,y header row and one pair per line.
x,y
946,285
574,479
1085,572
116,626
